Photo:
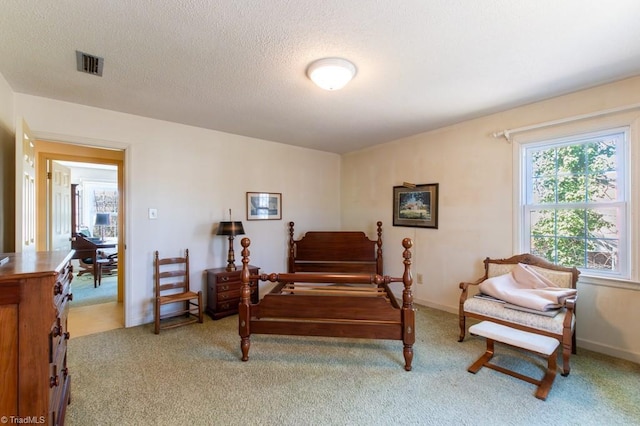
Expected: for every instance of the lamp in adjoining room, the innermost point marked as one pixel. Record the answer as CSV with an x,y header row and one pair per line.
x,y
231,229
102,220
331,73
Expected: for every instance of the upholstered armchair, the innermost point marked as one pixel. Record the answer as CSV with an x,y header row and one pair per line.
x,y
561,326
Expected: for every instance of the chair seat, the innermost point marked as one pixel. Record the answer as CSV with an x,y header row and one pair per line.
x,y
178,297
497,310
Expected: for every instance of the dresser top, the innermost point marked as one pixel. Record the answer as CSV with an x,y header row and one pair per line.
x,y
44,263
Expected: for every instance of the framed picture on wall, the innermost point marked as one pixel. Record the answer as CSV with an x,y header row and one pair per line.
x,y
264,206
416,206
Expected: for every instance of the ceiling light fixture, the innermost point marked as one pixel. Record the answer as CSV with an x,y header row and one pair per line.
x,y
331,73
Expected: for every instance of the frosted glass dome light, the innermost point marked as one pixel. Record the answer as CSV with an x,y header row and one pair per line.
x,y
331,73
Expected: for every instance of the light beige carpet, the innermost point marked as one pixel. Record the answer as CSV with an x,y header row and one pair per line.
x,y
193,375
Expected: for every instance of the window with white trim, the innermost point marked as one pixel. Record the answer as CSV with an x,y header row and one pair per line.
x,y
575,202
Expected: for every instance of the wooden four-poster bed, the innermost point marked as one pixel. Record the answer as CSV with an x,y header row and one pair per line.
x,y
334,287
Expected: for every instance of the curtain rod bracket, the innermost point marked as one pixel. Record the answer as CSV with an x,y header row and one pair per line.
x,y
503,134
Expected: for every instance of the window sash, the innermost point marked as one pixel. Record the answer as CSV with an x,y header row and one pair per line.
x,y
620,204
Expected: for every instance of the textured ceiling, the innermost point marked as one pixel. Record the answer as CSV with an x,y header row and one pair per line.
x,y
239,65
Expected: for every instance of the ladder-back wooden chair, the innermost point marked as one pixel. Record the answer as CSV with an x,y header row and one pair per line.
x,y
172,287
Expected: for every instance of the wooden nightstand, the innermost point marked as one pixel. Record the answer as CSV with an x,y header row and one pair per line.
x,y
223,291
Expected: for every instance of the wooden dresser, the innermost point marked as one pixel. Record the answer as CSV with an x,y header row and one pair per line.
x,y
223,291
35,289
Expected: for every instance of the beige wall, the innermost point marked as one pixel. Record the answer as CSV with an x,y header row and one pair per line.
x,y
7,168
476,215
192,176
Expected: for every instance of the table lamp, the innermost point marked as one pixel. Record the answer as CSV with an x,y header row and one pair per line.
x,y
230,229
102,220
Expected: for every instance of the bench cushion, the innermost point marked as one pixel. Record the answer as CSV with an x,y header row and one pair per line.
x,y
497,310
518,338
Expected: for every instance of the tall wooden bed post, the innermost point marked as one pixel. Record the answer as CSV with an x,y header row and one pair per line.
x,y
292,257
244,310
408,311
379,264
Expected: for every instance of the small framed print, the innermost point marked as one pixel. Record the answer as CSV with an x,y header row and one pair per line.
x,y
264,206
417,207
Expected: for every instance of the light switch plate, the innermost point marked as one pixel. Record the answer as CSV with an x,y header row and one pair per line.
x,y
153,213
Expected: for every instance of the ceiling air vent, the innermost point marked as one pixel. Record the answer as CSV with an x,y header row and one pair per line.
x,y
89,63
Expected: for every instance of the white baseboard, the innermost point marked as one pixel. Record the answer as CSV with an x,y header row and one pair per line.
x,y
452,310
607,350
139,319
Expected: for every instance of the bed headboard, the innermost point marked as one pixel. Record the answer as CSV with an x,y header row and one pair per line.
x,y
335,251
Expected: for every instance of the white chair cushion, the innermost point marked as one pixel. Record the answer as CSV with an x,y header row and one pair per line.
x,y
497,310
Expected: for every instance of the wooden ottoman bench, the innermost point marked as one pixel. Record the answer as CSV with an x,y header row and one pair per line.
x,y
541,345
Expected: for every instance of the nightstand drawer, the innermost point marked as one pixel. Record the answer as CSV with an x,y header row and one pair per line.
x,y
228,278
228,286
235,293
228,295
228,308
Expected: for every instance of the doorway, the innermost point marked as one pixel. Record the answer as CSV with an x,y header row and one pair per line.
x,y
100,179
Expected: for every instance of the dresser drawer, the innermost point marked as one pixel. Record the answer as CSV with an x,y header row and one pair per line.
x,y
59,396
58,371
62,304
62,287
58,339
60,403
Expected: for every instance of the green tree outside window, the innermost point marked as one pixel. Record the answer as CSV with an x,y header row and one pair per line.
x,y
574,202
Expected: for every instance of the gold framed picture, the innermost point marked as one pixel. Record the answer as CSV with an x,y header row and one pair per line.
x,y
416,206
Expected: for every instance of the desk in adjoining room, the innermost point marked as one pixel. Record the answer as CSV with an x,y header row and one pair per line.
x,y
88,249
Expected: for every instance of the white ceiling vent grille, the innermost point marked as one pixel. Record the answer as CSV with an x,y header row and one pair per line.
x,y
89,63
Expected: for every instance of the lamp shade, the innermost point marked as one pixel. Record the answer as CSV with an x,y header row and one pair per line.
x,y
102,219
230,228
331,73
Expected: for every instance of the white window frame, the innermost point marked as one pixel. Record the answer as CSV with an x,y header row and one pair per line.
x,y
630,121
622,190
